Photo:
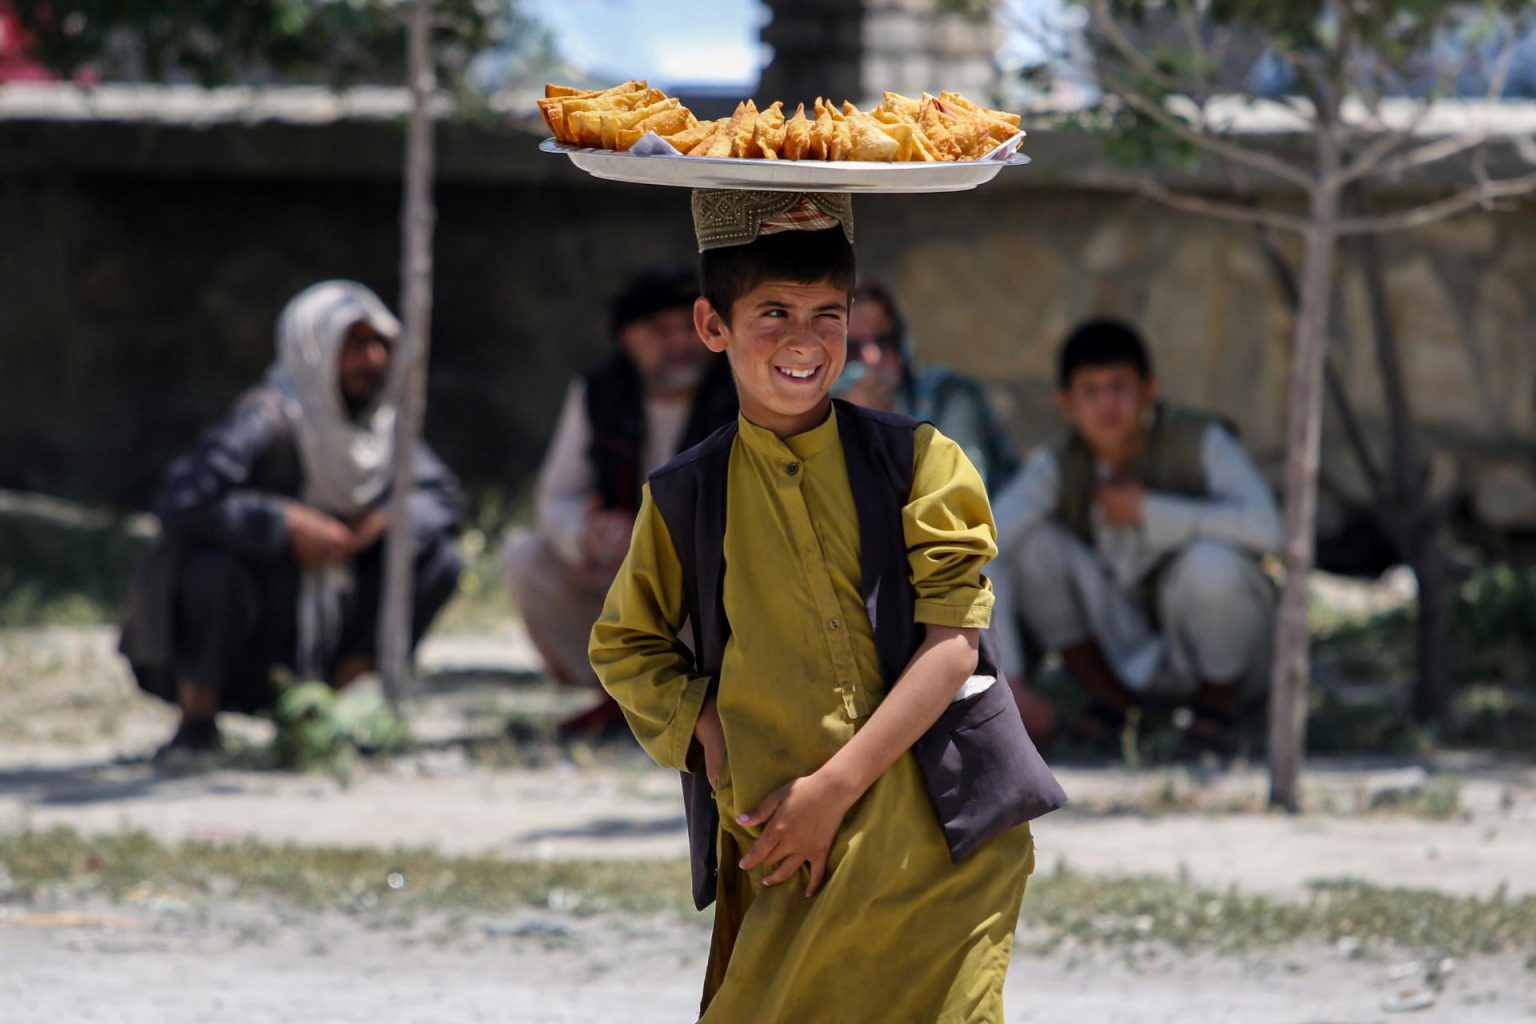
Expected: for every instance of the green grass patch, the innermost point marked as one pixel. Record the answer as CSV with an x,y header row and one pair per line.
x,y
1364,671
1492,641
1061,907
1123,912
61,864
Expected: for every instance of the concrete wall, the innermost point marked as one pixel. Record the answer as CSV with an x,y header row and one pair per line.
x,y
141,268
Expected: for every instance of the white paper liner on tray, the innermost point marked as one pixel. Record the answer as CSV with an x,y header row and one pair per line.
x,y
652,161
651,144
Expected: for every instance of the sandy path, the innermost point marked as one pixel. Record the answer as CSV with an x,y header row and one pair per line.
x,y
632,811
72,730
74,733
242,966
618,806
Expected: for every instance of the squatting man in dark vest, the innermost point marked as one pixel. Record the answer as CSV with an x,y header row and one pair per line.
x,y
1132,546
270,552
660,391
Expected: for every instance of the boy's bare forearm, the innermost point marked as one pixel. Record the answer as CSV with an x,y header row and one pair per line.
x,y
941,665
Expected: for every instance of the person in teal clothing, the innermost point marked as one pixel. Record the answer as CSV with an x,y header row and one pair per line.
x,y
883,373
838,691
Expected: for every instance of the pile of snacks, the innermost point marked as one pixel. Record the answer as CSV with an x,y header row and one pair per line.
x,y
946,127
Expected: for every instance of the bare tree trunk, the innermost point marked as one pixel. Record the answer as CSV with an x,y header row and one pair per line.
x,y
417,219
1338,394
1413,519
1303,437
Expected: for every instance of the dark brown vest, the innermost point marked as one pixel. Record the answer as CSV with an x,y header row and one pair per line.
x,y
981,770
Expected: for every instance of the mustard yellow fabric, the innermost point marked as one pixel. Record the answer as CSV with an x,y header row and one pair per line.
x,y
898,932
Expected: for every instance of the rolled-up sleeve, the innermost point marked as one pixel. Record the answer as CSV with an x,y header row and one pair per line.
x,y
950,535
636,648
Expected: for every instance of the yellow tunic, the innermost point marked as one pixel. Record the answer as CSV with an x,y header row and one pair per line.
x,y
898,932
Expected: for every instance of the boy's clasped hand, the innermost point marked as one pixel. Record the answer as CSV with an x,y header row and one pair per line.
x,y
798,822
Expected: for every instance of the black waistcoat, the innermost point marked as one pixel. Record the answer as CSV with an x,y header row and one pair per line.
x,y
981,770
616,410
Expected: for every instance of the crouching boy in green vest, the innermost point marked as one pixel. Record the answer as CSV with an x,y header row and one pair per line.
x,y
1132,546
857,778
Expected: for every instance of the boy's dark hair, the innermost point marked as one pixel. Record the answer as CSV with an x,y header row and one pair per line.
x,y
652,292
1102,343
803,257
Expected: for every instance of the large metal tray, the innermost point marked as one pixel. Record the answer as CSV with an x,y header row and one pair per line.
x,y
659,168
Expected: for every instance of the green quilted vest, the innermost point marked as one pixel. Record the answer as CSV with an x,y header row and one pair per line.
x,y
1170,461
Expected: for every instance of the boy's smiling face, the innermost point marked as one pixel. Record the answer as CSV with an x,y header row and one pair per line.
x,y
786,343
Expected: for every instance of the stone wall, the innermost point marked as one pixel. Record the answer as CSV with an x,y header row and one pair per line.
x,y
141,268
136,303
994,282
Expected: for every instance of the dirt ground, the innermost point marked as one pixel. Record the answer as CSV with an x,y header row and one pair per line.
x,y
244,965
74,736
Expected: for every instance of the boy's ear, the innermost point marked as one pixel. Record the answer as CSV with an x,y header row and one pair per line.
x,y
710,325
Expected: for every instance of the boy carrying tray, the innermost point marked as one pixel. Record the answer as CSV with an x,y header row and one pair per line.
x,y
871,777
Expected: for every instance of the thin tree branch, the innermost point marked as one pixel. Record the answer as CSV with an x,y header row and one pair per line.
x,y
1255,159
1125,50
1354,433
1135,98
1479,196
1106,22
1502,66
1235,212
1370,160
1421,156
1037,31
1191,20
1407,470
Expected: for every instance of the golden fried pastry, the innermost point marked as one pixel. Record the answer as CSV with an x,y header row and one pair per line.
x,y
797,136
770,131
744,145
869,138
689,137
946,127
